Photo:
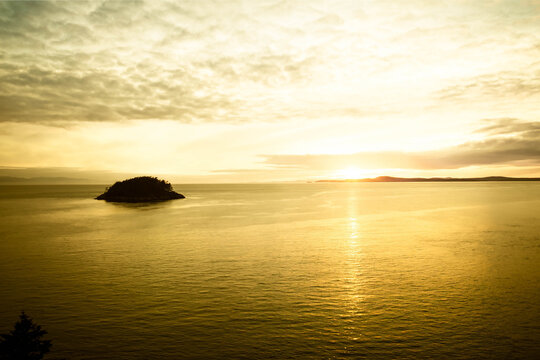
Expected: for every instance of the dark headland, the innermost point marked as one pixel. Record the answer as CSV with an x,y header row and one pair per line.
x,y
434,179
140,189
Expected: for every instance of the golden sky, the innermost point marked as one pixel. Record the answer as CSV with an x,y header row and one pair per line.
x,y
235,91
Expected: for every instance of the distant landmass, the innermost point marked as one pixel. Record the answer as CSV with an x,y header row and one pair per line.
x,y
51,180
433,179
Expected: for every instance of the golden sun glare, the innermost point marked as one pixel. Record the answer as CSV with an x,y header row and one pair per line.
x,y
352,172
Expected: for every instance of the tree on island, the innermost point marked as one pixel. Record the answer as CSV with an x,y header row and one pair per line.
x,y
24,342
140,189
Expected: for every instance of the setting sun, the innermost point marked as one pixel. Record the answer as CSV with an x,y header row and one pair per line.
x,y
351,172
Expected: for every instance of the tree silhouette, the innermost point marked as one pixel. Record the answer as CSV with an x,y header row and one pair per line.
x,y
140,189
24,341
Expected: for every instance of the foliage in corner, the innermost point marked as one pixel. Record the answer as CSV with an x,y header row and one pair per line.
x,y
24,342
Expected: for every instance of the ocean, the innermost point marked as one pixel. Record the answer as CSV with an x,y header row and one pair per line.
x,y
277,271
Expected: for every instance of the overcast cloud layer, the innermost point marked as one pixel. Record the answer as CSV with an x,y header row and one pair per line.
x,y
373,84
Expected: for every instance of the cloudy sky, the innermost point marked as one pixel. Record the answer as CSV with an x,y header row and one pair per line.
x,y
228,91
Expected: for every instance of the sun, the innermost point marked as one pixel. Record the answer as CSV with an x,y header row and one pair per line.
x,y
352,172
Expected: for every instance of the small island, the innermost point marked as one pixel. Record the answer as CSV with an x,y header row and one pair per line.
x,y
140,189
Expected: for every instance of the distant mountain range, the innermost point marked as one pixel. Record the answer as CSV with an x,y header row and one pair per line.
x,y
433,179
14,180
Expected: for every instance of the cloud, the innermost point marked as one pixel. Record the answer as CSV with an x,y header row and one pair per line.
x,y
133,60
496,86
102,96
509,126
239,62
507,141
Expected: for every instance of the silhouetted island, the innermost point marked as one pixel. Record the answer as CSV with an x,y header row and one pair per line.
x,y
434,179
140,189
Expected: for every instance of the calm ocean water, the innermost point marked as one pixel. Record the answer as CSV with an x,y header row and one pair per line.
x,y
307,271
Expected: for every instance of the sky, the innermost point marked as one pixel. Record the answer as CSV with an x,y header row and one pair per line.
x,y
258,91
